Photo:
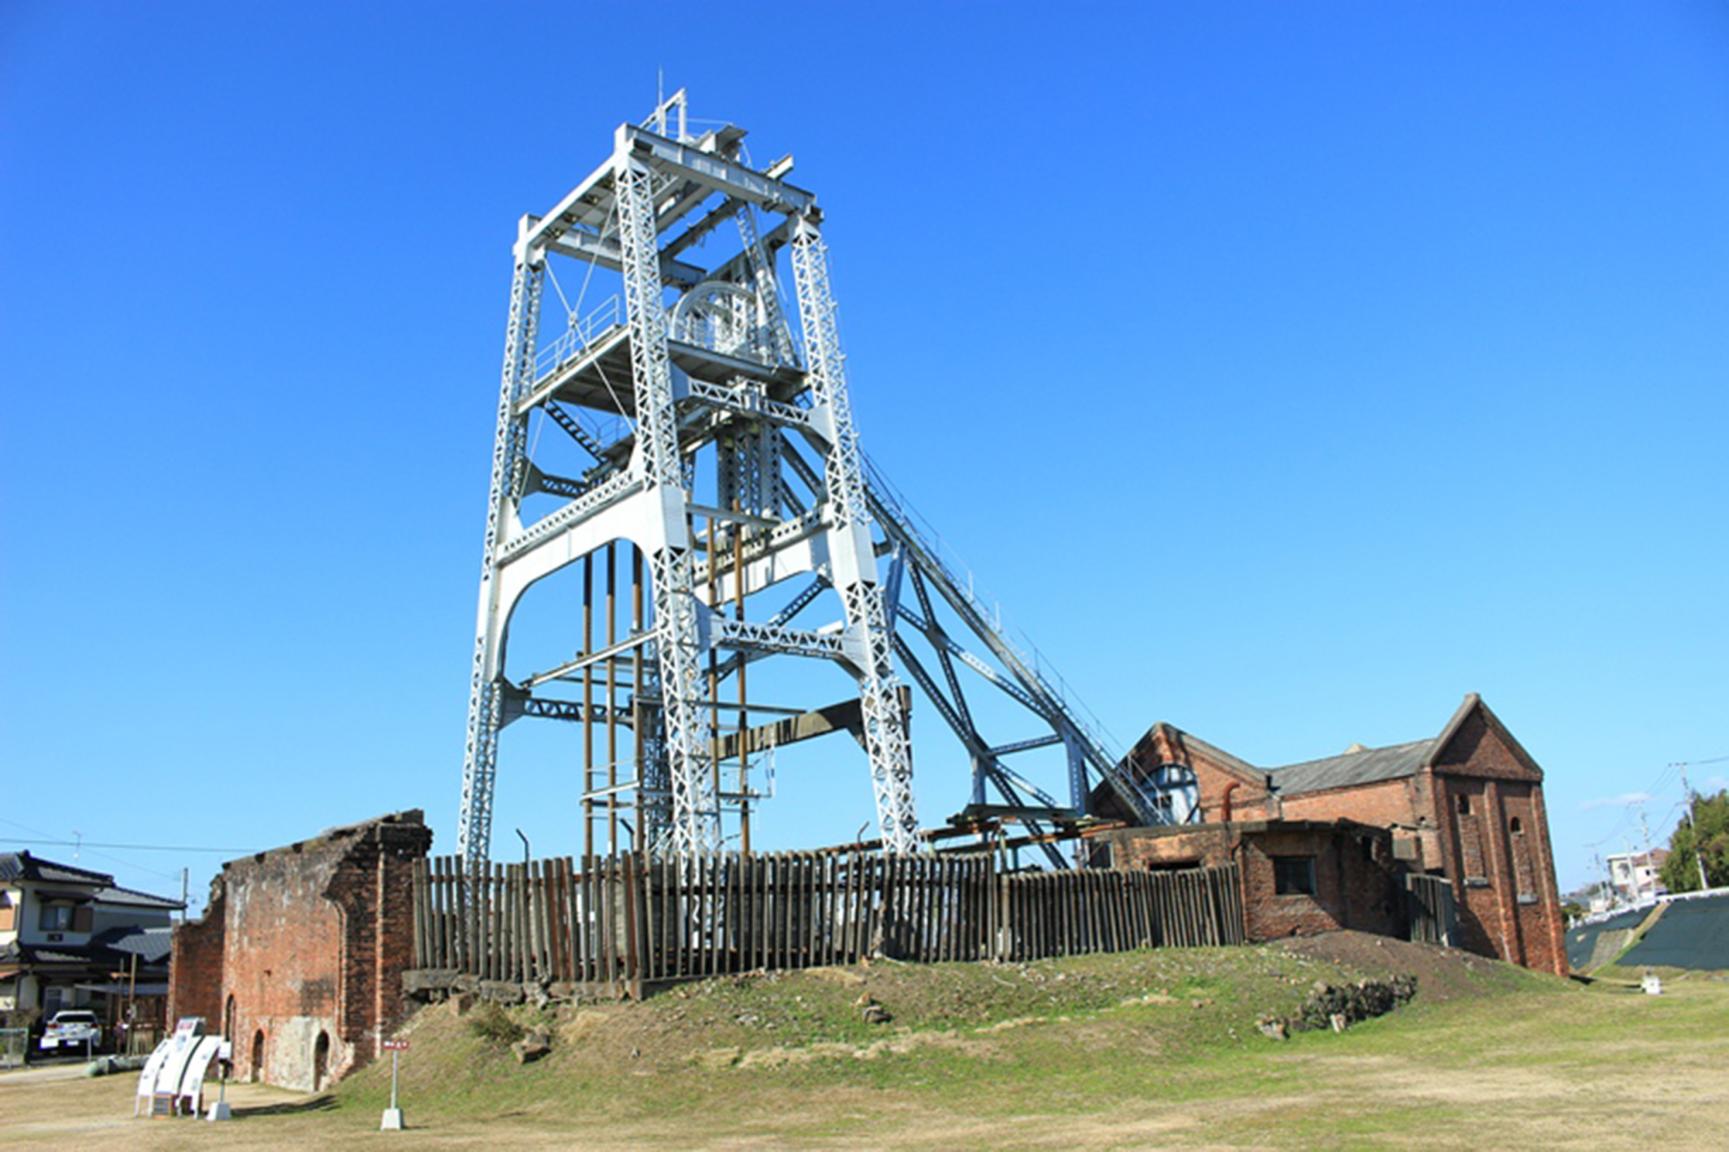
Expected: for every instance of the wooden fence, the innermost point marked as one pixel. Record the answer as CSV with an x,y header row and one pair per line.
x,y
1065,913
631,919
1430,909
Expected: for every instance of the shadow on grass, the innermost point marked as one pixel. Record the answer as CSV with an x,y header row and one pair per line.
x,y
297,1107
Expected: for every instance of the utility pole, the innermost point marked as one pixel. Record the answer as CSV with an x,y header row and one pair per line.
x,y
185,882
1645,828
1698,856
1632,870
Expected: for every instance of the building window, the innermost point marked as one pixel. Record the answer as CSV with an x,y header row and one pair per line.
x,y
1523,875
1294,875
55,918
1464,805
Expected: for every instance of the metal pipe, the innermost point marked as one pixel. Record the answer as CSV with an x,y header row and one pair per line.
x,y
714,658
640,832
611,712
588,706
743,704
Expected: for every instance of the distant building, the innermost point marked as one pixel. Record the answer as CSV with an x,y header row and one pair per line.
x,y
1466,805
72,938
299,956
1637,876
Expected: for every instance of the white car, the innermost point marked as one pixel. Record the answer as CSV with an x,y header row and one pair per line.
x,y
71,1028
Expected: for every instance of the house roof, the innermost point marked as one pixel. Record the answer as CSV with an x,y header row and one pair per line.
x,y
136,899
17,954
1351,768
1355,767
150,945
110,951
17,866
22,867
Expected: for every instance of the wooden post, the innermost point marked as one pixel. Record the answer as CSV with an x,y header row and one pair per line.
x,y
632,935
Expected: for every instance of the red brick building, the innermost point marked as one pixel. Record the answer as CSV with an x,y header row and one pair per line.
x,y
1299,877
299,956
1466,804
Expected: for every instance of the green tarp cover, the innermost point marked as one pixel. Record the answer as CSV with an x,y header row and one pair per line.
x,y
1582,942
1689,934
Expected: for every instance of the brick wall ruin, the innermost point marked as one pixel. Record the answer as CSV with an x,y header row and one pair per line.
x,y
299,957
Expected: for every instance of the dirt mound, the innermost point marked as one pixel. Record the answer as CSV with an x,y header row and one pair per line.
x,y
1442,973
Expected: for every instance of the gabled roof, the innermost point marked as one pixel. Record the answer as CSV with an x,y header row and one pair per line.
x,y
1189,742
18,866
22,867
1366,767
1396,761
1348,769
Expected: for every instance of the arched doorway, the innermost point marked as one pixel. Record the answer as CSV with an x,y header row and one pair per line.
x,y
256,1072
320,1061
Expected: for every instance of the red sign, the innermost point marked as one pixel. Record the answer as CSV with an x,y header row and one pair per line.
x,y
395,1045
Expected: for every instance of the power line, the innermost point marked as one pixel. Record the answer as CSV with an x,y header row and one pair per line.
x,y
135,847
112,859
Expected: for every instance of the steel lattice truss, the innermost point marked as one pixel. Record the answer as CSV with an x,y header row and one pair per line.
x,y
720,461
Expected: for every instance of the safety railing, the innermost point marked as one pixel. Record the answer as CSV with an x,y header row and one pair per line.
x,y
578,336
960,578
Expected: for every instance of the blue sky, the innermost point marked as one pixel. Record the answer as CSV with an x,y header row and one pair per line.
x,y
1286,371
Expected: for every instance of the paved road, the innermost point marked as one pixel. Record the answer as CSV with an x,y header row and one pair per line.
x,y
41,1073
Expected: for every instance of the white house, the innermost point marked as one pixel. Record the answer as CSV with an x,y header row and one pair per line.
x,y
70,937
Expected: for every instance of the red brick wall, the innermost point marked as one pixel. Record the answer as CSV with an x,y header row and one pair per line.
x,y
1205,846
1355,885
1503,882
283,963
312,941
1356,882
1249,799
375,889
195,966
1384,804
1163,744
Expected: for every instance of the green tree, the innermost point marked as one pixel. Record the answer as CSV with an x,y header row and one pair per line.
x,y
1706,835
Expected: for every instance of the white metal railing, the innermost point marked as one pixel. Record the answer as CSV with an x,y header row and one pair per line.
x,y
960,577
578,336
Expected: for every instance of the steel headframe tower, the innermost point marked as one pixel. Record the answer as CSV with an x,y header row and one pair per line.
x,y
658,393
689,378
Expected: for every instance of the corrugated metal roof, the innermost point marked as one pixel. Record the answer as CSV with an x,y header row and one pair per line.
x,y
1366,767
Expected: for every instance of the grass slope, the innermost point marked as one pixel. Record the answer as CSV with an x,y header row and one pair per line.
x,y
1151,1049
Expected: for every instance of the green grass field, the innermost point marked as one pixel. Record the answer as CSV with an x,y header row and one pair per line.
x,y
1154,1049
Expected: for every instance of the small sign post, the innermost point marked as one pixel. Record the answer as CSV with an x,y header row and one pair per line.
x,y
393,1115
224,1060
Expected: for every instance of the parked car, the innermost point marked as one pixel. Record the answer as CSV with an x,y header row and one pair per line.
x,y
72,1029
